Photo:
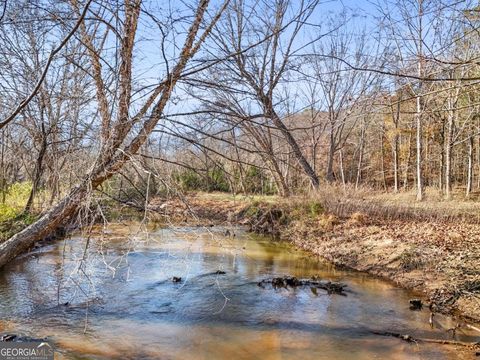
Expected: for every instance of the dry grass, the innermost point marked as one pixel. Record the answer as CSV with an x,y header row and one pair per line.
x,y
328,222
220,196
403,205
358,218
358,206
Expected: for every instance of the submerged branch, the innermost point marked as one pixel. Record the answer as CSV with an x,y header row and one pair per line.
x,y
409,338
313,283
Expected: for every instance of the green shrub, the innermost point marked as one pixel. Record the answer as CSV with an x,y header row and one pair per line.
x,y
15,200
306,209
257,183
217,180
188,180
315,209
17,193
7,212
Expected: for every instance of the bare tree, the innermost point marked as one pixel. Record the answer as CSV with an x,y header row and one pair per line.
x,y
342,89
262,60
111,158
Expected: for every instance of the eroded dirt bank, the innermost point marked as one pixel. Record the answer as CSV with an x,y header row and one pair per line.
x,y
442,261
439,259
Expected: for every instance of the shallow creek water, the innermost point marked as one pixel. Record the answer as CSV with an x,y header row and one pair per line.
x,y
117,300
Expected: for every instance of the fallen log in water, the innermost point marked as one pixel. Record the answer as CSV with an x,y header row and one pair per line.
x,y
313,283
409,338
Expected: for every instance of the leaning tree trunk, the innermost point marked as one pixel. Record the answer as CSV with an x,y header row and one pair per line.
x,y
297,152
294,146
109,165
45,226
61,213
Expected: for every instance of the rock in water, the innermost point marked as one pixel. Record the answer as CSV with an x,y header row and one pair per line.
x,y
416,304
8,337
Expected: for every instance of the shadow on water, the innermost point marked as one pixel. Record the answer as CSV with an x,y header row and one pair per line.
x,y
122,303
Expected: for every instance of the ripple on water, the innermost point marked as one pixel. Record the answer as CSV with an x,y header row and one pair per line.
x,y
121,301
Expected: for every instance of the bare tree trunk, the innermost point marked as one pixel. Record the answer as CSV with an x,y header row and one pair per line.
x,y
291,142
281,184
3,179
448,154
470,167
314,155
396,121
342,172
359,169
37,173
419,150
478,156
382,164
360,157
106,167
407,161
331,153
395,163
43,227
419,111
239,163
278,177
442,160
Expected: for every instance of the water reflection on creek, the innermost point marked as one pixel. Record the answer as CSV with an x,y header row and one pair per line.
x,y
121,302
